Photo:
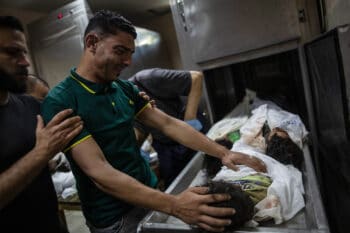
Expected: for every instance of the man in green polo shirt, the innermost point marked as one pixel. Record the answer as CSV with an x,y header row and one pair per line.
x,y
111,175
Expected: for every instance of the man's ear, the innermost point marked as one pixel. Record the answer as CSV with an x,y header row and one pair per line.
x,y
91,42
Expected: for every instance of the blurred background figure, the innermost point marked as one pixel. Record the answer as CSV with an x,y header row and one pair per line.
x,y
177,93
37,87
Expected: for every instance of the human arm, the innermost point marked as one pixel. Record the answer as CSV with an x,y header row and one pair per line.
x,y
186,135
140,136
168,85
141,133
50,139
147,98
194,95
191,205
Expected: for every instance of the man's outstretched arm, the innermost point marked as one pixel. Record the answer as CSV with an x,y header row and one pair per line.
x,y
187,136
192,205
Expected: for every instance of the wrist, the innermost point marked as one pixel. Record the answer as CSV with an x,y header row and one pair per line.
x,y
40,153
170,208
223,152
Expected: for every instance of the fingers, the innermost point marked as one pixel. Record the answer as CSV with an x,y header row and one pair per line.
x,y
59,117
218,211
193,208
74,132
257,164
69,123
214,222
217,197
215,218
210,228
250,161
209,198
261,166
147,98
232,166
70,132
199,190
40,123
144,95
153,103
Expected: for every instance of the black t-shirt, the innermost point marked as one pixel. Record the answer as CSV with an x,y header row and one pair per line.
x,y
35,208
166,87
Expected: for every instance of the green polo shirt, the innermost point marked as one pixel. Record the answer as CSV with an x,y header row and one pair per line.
x,y
108,112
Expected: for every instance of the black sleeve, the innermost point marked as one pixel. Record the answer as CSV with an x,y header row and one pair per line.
x,y
163,83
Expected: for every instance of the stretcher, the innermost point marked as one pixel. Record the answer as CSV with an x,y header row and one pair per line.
x,y
311,218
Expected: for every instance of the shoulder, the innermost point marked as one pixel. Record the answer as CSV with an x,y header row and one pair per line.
x,y
158,73
64,95
124,83
126,86
64,89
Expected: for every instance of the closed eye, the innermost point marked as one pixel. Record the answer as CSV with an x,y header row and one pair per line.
x,y
122,50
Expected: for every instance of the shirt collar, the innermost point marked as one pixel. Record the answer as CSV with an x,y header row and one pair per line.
x,y
91,87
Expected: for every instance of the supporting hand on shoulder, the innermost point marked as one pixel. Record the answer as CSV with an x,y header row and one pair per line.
x,y
54,137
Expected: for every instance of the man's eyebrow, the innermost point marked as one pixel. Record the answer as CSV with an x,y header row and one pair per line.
x,y
14,48
123,47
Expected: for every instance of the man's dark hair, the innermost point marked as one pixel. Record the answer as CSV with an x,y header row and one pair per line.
x,y
11,22
240,201
285,151
109,22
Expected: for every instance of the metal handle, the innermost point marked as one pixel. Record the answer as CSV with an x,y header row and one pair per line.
x,y
181,12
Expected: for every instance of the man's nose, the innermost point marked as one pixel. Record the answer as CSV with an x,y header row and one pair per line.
x,y
23,61
127,60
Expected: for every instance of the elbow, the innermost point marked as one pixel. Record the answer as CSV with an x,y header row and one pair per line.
x,y
197,80
197,77
99,175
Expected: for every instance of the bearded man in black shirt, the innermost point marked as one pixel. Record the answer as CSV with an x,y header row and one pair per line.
x,y
27,198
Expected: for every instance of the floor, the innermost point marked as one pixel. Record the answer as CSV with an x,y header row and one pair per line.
x,y
76,222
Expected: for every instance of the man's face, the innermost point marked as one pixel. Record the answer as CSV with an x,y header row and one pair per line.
x,y
113,54
13,60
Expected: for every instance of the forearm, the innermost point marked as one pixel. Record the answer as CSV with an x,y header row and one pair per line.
x,y
128,189
194,95
15,179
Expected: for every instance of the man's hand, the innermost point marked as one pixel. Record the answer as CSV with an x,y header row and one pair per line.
x,y
147,98
231,159
192,207
53,137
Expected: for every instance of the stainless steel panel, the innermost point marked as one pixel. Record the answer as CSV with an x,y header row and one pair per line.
x,y
344,47
225,27
57,44
57,40
150,52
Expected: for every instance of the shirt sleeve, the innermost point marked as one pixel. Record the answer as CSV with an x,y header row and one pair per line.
x,y
132,92
52,105
163,83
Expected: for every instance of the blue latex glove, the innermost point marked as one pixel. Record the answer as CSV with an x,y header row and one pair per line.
x,y
195,123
